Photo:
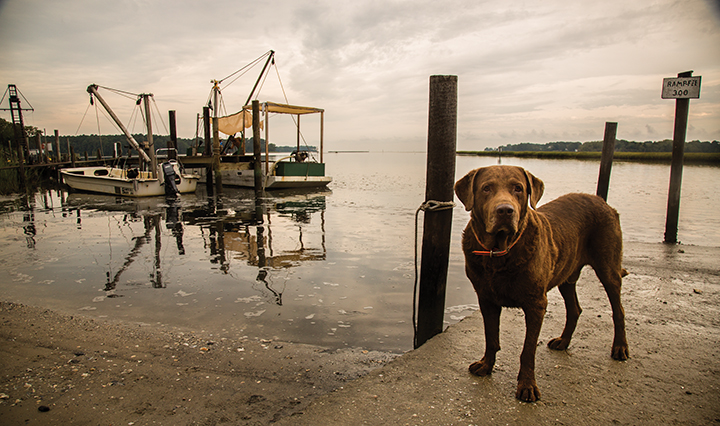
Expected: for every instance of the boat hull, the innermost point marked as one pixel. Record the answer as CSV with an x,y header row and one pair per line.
x,y
114,181
246,178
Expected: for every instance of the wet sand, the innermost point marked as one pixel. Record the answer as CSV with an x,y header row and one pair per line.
x,y
96,371
60,369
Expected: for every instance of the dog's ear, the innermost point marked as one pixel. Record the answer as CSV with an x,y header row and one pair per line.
x,y
536,187
464,189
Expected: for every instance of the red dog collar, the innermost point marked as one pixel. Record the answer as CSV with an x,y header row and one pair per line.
x,y
490,253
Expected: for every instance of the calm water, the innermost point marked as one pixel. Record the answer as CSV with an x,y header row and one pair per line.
x,y
332,268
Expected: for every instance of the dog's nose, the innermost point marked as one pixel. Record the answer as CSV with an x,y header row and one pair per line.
x,y
505,210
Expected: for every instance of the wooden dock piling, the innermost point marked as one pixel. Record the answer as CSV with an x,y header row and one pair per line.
x,y
606,159
437,227
682,108
172,143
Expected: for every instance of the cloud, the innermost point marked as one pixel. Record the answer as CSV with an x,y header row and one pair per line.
x,y
537,70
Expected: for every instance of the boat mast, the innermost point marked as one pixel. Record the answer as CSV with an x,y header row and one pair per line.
x,y
151,144
252,92
92,89
215,130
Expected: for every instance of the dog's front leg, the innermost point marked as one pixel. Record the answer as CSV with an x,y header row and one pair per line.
x,y
491,321
527,389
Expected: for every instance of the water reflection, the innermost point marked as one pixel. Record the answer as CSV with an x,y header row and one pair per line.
x,y
152,223
232,229
329,268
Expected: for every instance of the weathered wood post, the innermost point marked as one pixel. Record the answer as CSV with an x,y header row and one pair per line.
x,y
257,167
150,141
45,149
38,143
257,172
207,150
442,135
172,143
57,156
606,159
216,144
679,90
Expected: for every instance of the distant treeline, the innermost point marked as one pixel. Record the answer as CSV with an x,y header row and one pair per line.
x,y
92,143
621,145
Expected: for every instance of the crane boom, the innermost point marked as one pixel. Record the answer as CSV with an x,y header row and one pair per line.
x,y
92,89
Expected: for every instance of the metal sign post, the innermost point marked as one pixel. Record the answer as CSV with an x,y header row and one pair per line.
x,y
682,89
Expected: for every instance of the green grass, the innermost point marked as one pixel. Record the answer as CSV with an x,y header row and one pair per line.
x,y
711,158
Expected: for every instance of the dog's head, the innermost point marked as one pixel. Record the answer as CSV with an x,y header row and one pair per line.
x,y
498,198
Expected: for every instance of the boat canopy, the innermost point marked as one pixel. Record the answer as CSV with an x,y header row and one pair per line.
x,y
232,124
286,109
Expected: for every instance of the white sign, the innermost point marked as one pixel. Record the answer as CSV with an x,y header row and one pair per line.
x,y
681,88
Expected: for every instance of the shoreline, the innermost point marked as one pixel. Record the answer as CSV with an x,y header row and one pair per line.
x,y
694,158
88,371
81,370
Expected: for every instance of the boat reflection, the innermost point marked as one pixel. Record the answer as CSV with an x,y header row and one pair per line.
x,y
151,222
282,234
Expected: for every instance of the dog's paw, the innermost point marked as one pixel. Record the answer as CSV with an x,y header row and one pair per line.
x,y
620,352
527,391
558,344
481,368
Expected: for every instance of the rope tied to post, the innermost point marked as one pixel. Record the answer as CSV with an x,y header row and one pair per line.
x,y
428,205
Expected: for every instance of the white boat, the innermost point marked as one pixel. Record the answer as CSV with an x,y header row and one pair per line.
x,y
131,182
149,180
298,170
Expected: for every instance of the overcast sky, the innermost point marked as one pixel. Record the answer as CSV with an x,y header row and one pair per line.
x,y
528,71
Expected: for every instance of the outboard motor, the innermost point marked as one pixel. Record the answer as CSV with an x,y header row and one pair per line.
x,y
169,173
300,156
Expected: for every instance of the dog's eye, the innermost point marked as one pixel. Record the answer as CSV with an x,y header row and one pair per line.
x,y
486,189
518,188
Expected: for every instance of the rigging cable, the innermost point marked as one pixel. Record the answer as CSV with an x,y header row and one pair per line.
x,y
159,115
297,126
97,119
431,205
123,93
83,118
248,66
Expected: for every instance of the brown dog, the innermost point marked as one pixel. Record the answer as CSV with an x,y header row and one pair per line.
x,y
515,254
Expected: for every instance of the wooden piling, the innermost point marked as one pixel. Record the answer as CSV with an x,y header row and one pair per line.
x,y
257,167
38,143
150,141
207,150
606,159
442,135
682,108
172,143
56,147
